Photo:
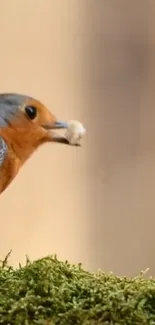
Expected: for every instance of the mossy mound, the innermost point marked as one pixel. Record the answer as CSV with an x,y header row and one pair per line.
x,y
48,291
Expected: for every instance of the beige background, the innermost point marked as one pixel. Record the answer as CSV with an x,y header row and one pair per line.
x,y
93,60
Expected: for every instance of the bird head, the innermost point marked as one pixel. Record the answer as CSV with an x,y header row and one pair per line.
x,y
28,123
28,115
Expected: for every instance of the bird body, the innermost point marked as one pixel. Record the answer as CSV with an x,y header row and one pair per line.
x,y
25,124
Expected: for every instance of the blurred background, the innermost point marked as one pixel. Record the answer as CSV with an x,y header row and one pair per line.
x,y
91,60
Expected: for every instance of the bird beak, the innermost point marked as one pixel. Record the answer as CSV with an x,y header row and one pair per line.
x,y
56,125
53,135
59,125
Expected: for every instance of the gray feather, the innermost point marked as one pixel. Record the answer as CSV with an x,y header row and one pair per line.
x,y
3,150
10,105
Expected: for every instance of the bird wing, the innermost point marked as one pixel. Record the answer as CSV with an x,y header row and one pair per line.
x,y
10,104
3,150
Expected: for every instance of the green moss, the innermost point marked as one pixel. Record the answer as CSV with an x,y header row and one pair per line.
x,y
48,291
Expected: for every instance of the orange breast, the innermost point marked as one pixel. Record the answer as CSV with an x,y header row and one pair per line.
x,y
10,166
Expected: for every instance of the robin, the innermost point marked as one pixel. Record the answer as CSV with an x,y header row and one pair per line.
x,y
25,124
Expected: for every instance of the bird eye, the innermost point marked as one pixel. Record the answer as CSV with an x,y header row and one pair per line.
x,y
31,112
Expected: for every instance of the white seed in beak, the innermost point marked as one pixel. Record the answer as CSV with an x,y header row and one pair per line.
x,y
74,132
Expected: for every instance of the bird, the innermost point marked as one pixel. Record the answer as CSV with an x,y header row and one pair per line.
x,y
25,124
